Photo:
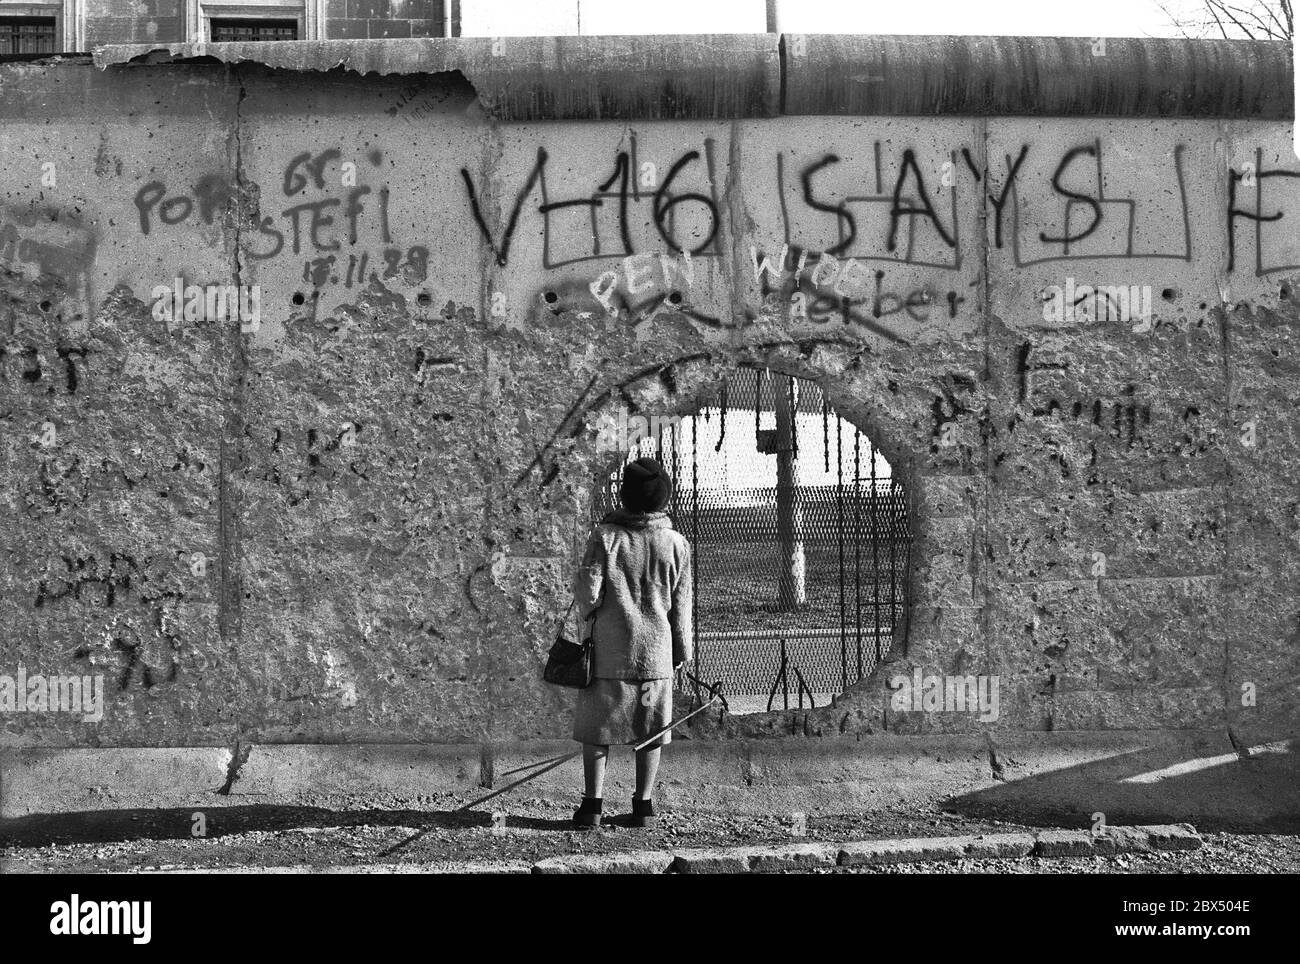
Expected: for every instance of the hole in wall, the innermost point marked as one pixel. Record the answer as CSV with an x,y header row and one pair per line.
x,y
298,298
799,530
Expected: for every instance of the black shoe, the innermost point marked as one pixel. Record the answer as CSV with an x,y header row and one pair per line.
x,y
588,815
643,813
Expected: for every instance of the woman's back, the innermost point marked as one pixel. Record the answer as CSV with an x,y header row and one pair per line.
x,y
636,578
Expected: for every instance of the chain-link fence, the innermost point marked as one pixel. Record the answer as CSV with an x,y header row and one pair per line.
x,y
800,537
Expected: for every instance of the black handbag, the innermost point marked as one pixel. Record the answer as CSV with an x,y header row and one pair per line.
x,y
569,663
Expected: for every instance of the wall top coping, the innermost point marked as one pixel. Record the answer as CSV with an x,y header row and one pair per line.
x,y
719,76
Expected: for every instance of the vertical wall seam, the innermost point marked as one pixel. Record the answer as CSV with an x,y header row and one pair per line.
x,y
782,74
737,230
985,309
494,149
1225,341
229,611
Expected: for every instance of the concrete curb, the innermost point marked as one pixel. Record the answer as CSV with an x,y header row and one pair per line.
x,y
775,858
813,855
636,862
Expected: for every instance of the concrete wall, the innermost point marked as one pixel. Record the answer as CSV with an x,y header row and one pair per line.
x,y
355,523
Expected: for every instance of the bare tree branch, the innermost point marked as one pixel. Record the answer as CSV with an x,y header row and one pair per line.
x,y
1252,19
1282,28
1254,15
1214,13
1227,12
1182,27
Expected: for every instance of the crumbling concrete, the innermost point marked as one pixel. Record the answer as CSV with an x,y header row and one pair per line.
x,y
352,519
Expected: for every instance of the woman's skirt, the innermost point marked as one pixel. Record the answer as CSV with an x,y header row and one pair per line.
x,y
623,711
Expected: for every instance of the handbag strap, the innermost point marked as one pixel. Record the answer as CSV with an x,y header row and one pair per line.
x,y
565,618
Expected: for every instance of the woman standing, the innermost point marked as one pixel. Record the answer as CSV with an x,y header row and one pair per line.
x,y
636,578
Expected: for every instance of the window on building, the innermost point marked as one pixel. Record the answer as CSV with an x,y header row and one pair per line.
x,y
241,30
28,35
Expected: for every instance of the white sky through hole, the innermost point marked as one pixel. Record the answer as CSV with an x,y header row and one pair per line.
x,y
739,464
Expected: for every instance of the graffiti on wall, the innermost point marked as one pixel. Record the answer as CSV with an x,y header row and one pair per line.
x,y
861,241
49,242
335,206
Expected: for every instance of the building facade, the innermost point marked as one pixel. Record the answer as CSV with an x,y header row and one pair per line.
x,y
28,29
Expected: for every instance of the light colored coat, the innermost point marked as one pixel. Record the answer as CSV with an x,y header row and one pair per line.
x,y
636,577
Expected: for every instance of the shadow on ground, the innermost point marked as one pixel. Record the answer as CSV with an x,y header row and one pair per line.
x,y
1256,793
117,826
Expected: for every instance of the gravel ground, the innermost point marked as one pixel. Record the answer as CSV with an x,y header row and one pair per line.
x,y
1223,853
252,836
